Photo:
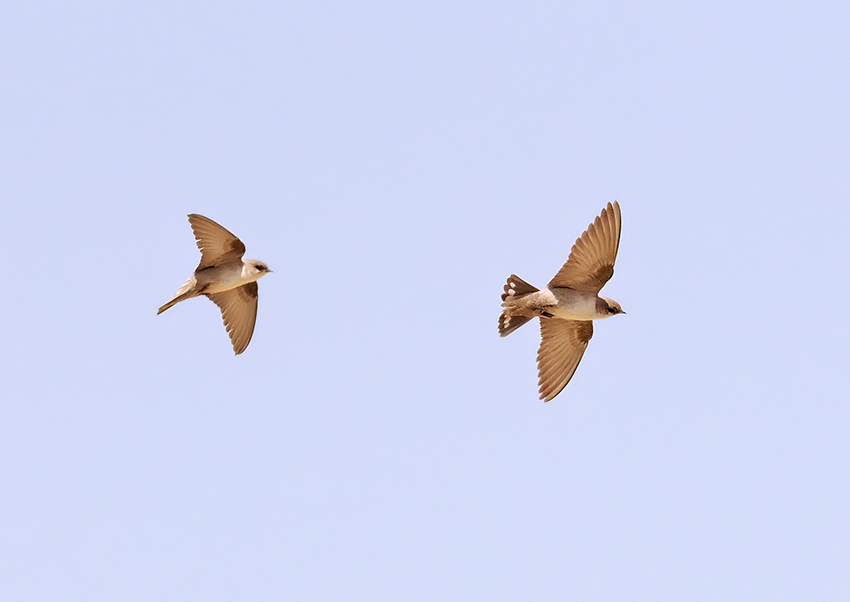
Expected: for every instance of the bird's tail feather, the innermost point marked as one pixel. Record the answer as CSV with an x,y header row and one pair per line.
x,y
187,291
515,288
509,323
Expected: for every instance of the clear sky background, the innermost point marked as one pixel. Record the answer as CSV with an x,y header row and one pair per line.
x,y
393,163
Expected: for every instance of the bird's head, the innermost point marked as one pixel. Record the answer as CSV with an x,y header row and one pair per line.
x,y
256,268
613,307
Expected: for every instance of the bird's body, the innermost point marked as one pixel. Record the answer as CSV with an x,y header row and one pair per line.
x,y
568,306
227,279
563,303
227,276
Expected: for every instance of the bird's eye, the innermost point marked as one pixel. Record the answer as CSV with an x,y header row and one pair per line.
x,y
260,267
612,310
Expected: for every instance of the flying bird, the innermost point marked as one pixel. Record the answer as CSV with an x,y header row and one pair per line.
x,y
225,278
569,304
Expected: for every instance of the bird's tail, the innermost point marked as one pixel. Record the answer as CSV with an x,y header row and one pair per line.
x,y
187,291
510,319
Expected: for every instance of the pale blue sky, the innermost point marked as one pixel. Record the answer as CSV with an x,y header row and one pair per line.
x,y
393,163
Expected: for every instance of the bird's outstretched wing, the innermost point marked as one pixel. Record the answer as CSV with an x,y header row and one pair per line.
x,y
239,311
217,244
561,349
591,262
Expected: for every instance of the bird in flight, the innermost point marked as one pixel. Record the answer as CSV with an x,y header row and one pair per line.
x,y
569,304
225,278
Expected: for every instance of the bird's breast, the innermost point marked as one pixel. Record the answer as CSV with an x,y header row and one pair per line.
x,y
220,278
575,305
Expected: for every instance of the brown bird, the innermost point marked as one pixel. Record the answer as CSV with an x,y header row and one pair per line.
x,y
570,303
225,278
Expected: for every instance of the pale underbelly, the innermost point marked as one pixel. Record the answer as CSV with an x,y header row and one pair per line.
x,y
573,312
572,305
220,281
